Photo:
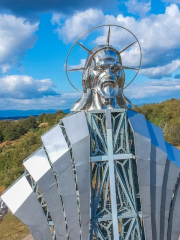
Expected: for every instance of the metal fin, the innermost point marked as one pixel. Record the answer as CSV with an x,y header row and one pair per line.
x,y
87,50
127,47
76,69
108,38
130,68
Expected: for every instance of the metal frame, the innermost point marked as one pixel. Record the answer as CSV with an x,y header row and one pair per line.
x,y
41,200
116,179
116,209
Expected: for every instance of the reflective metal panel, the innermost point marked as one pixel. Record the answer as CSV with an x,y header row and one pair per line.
x,y
170,177
37,164
138,123
59,155
158,160
76,127
39,168
143,155
54,143
78,135
23,203
173,192
174,219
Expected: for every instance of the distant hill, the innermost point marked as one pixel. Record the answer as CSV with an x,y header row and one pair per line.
x,y
17,114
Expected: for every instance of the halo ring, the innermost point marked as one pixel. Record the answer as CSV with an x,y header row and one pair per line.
x,y
90,31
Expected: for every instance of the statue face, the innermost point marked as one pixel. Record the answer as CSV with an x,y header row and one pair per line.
x,y
106,79
103,81
107,70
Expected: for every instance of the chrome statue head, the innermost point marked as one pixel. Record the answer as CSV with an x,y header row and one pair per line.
x,y
103,79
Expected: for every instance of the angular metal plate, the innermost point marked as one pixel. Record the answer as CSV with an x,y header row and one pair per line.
x,y
24,204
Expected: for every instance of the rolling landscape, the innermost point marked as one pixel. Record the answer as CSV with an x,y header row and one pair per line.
x,y
20,138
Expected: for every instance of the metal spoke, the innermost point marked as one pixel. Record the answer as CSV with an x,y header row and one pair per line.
x,y
77,69
108,37
130,68
124,49
87,50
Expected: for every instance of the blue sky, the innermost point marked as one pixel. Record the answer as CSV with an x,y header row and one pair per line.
x,y
35,38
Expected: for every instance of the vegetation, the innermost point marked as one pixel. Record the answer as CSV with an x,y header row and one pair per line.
x,y
25,134
166,115
12,228
21,138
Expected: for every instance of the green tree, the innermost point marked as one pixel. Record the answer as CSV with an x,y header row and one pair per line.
x,y
41,118
12,132
1,137
172,132
29,123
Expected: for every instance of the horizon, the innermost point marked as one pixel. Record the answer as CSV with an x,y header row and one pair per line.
x,y
14,113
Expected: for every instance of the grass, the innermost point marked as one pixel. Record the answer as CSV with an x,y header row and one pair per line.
x,y
11,228
2,188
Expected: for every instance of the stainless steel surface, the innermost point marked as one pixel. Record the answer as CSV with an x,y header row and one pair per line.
x,y
174,218
103,76
171,175
40,170
23,202
174,189
134,187
112,174
60,158
143,156
115,214
54,143
77,134
104,172
158,161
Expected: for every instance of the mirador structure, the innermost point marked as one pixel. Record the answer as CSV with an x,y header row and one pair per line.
x,y
104,172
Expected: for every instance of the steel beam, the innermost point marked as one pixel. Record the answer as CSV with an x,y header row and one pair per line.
x,y
112,174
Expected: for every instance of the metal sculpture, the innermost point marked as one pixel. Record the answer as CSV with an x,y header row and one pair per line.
x,y
104,172
103,75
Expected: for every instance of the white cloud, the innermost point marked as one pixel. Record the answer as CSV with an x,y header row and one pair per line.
x,y
25,92
16,36
81,65
138,7
163,71
158,35
160,89
78,23
5,68
25,87
56,18
63,101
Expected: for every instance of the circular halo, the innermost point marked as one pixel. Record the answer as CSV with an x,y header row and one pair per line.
x,y
90,31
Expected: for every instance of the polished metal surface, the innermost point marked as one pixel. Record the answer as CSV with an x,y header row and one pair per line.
x,y
39,168
171,174
104,172
60,158
24,204
101,174
174,210
142,141
158,161
79,141
103,76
